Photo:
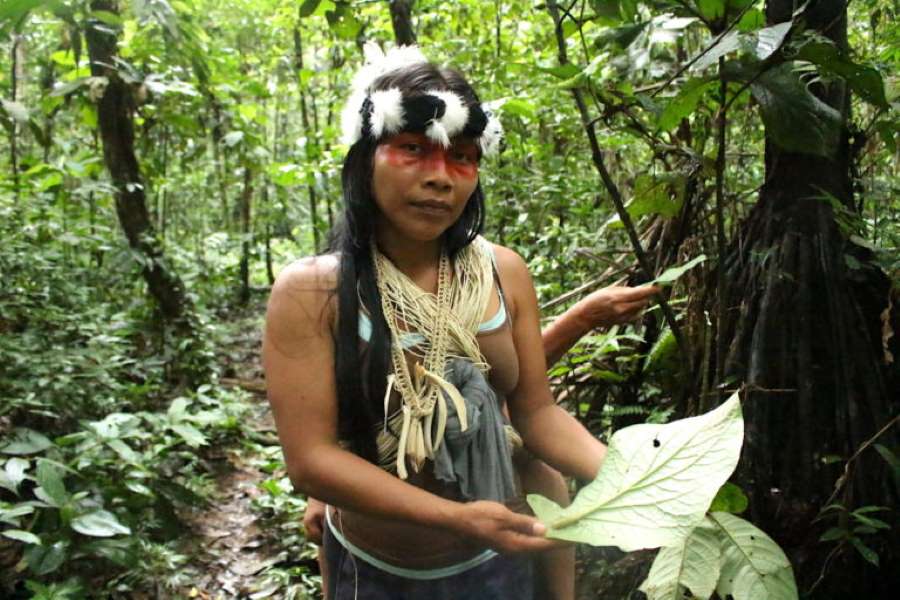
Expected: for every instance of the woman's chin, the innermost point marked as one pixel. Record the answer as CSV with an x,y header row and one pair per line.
x,y
424,232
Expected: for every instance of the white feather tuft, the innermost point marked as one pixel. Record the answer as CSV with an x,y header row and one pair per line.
x,y
493,134
351,120
377,63
436,132
387,112
456,114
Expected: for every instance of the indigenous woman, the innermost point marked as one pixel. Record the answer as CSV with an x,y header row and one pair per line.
x,y
387,361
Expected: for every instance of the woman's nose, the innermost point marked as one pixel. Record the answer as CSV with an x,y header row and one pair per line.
x,y
436,170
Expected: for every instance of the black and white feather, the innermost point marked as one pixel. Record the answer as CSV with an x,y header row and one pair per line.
x,y
492,136
440,114
452,122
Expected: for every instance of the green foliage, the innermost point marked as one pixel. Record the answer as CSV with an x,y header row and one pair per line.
x,y
104,491
688,570
731,499
97,430
671,274
865,80
854,528
787,106
282,511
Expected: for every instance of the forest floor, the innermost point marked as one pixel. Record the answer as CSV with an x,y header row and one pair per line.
x,y
248,542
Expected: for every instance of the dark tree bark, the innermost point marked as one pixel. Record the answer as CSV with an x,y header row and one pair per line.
x,y
16,71
117,135
246,199
805,337
309,130
401,19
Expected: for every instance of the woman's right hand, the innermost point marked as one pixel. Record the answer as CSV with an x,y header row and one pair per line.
x,y
502,529
314,520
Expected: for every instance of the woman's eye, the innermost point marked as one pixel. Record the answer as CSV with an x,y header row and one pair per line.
x,y
462,156
411,148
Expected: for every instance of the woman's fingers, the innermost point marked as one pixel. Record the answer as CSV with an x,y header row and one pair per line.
x,y
630,310
641,292
508,531
314,520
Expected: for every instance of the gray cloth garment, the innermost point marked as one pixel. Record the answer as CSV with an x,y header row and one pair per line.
x,y
478,459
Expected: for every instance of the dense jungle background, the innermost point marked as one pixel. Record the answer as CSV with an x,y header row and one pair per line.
x,y
164,159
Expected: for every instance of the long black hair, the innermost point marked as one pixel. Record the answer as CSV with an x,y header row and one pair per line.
x,y
361,379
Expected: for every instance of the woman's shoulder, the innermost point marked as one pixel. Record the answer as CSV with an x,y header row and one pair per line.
x,y
310,273
303,294
509,263
512,270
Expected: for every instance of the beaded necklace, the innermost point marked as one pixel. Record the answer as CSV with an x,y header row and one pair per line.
x,y
448,320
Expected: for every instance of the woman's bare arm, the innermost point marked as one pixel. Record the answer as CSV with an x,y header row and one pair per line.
x,y
602,308
550,432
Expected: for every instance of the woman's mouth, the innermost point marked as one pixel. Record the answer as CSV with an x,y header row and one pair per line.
x,y
431,207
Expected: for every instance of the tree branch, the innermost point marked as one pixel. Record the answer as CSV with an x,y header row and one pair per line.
x,y
613,189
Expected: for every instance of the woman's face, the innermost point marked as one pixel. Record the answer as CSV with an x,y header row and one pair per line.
x,y
420,187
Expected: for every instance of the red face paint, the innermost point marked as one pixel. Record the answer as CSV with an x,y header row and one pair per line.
x,y
416,150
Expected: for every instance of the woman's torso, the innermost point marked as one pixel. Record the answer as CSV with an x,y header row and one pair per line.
x,y
411,545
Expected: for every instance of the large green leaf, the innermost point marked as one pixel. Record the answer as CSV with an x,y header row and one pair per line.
x,y
712,9
753,566
731,499
13,10
795,119
26,537
769,39
655,485
683,103
653,195
192,436
728,43
99,523
308,7
43,560
49,477
25,441
692,565
761,44
11,515
862,79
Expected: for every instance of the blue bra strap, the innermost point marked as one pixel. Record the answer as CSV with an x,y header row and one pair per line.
x,y
413,339
409,340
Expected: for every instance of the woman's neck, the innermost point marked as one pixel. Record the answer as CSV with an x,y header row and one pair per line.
x,y
412,257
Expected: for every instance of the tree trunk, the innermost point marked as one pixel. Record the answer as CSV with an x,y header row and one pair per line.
x,y
805,337
401,19
310,134
16,71
117,134
246,198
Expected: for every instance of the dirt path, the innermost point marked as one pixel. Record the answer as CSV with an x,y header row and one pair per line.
x,y
236,545
228,545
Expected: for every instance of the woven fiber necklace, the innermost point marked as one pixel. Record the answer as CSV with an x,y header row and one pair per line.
x,y
422,390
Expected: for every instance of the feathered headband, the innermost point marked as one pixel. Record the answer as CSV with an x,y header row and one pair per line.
x,y
440,114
